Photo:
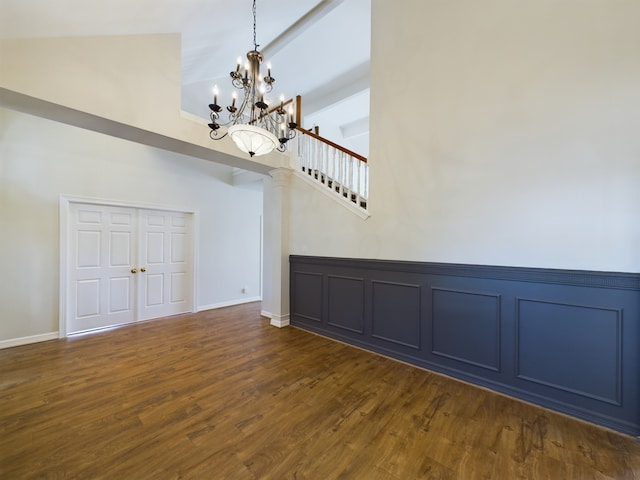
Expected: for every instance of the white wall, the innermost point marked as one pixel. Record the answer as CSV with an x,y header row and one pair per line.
x,y
502,133
41,159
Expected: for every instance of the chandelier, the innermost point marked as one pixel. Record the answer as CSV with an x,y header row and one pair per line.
x,y
252,125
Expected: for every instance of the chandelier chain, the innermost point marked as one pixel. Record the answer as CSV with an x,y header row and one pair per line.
x,y
255,43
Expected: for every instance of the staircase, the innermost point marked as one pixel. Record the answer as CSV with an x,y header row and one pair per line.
x,y
343,172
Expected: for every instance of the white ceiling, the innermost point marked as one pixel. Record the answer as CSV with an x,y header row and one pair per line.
x,y
327,62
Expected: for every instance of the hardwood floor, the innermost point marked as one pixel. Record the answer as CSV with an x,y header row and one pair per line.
x,y
222,395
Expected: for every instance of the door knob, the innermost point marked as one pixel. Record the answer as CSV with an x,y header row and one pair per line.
x,y
134,270
143,269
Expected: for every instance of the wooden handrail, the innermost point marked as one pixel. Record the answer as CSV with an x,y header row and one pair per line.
x,y
318,137
332,144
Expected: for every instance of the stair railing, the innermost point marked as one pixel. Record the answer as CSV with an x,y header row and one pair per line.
x,y
344,172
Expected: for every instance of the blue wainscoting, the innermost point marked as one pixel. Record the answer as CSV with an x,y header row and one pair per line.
x,y
564,339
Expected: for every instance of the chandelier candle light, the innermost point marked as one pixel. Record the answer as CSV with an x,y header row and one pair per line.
x,y
254,128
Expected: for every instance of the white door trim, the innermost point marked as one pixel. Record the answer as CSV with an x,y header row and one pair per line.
x,y
64,205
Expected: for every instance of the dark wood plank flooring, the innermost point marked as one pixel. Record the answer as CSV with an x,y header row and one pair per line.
x,y
223,395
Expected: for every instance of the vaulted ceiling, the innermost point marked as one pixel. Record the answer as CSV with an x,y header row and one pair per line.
x,y
318,49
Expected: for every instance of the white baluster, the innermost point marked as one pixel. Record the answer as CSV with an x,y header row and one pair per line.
x,y
345,188
343,172
319,159
315,156
333,169
357,179
366,181
322,162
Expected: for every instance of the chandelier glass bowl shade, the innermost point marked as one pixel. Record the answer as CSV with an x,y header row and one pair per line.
x,y
252,125
253,140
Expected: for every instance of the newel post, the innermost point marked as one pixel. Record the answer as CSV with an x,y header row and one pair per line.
x,y
276,247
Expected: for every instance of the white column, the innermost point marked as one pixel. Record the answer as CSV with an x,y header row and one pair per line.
x,y
275,300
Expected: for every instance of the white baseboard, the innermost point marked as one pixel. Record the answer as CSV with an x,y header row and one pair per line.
x,y
280,321
276,320
230,303
15,342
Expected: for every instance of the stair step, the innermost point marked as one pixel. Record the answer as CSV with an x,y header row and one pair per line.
x,y
339,189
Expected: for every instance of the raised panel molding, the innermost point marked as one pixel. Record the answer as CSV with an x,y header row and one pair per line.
x,y
465,326
576,348
564,339
346,303
306,295
396,313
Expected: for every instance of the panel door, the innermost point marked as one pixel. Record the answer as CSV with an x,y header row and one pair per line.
x,y
165,264
102,246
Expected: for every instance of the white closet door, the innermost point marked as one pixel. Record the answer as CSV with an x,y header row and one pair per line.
x,y
165,264
102,287
127,264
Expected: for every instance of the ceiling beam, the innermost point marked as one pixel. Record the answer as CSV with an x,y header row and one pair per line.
x,y
300,25
339,88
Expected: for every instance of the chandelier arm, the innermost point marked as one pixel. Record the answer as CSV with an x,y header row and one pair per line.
x,y
213,134
240,113
237,82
